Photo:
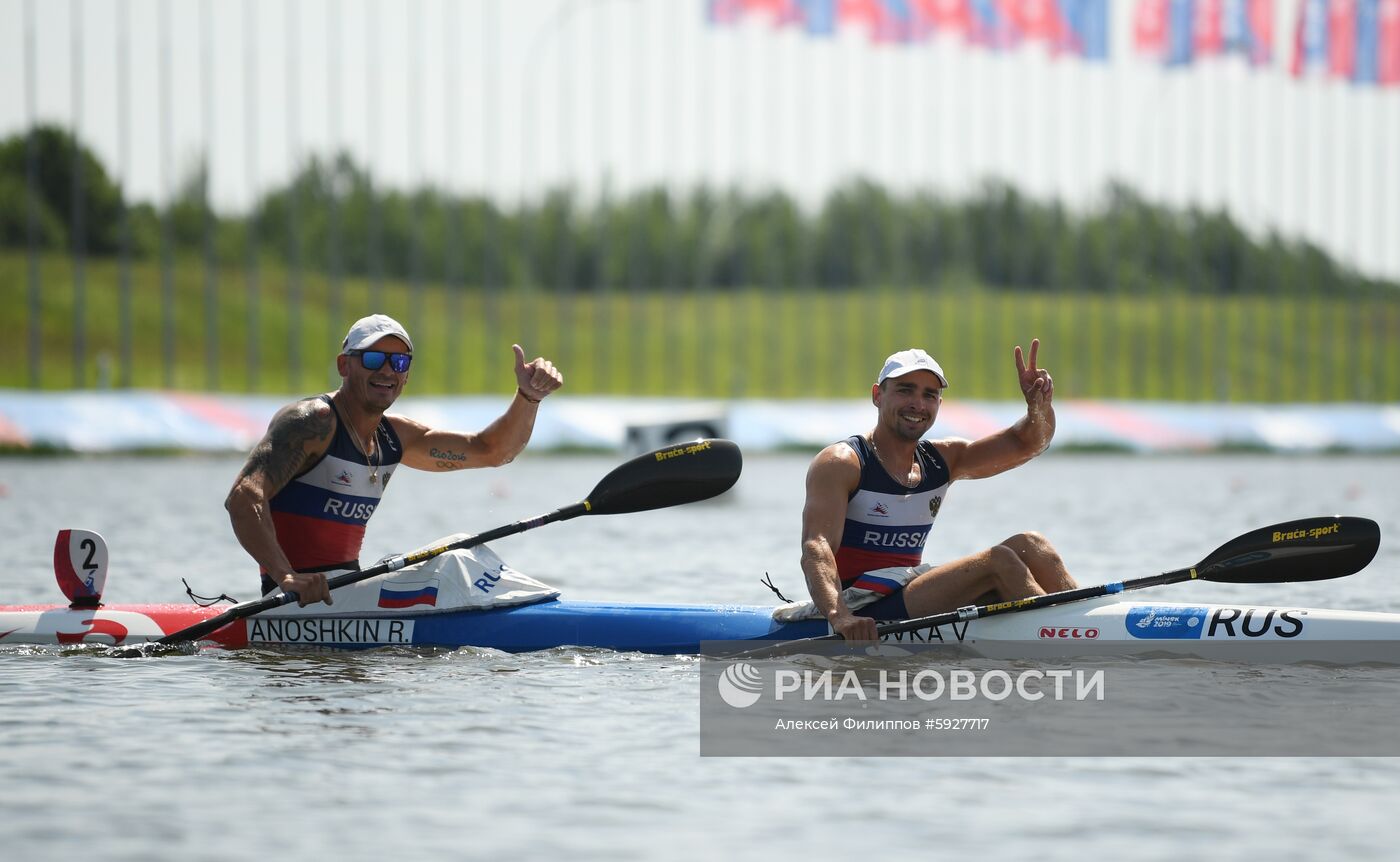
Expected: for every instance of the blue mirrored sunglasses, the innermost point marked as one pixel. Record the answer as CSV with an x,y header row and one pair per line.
x,y
373,360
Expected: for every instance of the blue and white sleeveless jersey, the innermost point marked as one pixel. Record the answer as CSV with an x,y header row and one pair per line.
x,y
888,523
320,516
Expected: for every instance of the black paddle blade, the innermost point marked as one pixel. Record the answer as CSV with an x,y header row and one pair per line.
x,y
1311,549
673,476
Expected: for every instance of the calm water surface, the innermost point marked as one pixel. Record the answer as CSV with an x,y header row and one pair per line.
x,y
476,754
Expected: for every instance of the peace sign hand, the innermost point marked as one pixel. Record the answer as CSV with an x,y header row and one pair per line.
x,y
1036,384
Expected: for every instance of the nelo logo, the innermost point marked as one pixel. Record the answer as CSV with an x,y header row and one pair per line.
x,y
1049,632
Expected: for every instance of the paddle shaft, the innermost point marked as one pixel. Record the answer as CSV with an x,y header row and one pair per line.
x,y
973,612
393,564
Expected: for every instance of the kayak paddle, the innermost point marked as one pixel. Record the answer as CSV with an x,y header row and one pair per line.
x,y
672,476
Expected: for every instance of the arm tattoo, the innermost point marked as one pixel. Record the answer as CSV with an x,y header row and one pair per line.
x,y
449,459
282,452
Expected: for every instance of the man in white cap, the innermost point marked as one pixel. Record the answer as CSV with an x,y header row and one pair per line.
x,y
302,500
872,499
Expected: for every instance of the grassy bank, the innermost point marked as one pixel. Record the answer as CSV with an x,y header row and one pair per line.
x,y
236,333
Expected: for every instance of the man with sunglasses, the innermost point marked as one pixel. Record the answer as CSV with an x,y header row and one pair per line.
x,y
300,505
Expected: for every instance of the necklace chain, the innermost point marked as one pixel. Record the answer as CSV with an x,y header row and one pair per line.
x,y
907,481
374,467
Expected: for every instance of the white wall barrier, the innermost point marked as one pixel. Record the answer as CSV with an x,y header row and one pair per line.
x,y
154,421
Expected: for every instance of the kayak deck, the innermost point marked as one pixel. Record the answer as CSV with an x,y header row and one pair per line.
x,y
651,628
1094,628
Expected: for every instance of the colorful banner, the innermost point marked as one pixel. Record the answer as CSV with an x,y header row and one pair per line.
x,y
885,20
1367,56
1077,28
1388,26
1249,30
1178,32
1181,33
1150,28
1357,40
1082,29
991,27
1377,42
1341,38
945,16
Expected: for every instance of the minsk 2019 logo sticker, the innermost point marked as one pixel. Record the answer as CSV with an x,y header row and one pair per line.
x,y
740,685
1165,622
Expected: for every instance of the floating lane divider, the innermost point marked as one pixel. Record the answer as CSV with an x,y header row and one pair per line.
x,y
671,476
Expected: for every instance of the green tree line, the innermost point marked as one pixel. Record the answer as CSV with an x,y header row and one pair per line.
x,y
331,217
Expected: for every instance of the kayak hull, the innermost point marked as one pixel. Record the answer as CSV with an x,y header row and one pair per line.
x,y
650,628
1100,627
1109,626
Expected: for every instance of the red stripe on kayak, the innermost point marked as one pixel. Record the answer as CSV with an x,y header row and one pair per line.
x,y
168,618
174,618
95,626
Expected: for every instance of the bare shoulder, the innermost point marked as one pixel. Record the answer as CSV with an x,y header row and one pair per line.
x,y
405,427
952,449
831,480
302,422
835,467
306,410
297,433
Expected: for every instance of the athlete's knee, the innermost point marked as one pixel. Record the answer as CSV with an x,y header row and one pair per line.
x,y
1009,575
1032,547
1006,563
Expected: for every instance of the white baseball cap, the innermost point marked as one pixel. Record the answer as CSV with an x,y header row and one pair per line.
x,y
913,359
368,330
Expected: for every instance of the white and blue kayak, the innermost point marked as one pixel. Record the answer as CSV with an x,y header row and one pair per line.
x,y
650,628
457,593
1106,626
465,597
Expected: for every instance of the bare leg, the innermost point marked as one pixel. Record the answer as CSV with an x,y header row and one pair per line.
x,y
1042,559
1024,565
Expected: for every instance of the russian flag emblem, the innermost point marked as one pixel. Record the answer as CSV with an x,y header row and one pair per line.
x,y
407,594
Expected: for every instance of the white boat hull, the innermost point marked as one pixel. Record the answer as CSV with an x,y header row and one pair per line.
x,y
1110,626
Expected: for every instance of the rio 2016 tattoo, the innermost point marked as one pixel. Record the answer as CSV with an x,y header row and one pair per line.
x,y
282,453
448,459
